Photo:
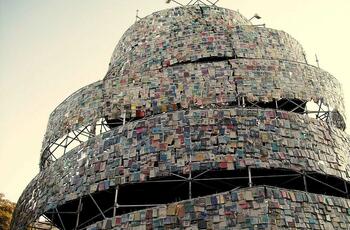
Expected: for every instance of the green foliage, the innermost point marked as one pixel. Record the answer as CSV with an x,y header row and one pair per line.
x,y
6,210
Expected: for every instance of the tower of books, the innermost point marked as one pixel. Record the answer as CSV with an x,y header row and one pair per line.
x,y
203,121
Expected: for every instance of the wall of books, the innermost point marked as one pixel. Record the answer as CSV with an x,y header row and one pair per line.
x,y
190,86
216,139
142,49
218,83
81,108
262,64
249,208
176,35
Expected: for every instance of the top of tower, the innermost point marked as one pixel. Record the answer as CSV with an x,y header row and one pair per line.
x,y
163,32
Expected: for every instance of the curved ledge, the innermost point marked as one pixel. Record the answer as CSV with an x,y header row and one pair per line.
x,y
201,84
262,207
148,197
216,139
160,30
210,84
245,41
81,108
171,90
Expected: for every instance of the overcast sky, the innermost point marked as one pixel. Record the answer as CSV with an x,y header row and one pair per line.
x,y
51,48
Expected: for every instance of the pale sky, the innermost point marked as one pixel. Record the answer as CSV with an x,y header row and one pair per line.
x,y
51,48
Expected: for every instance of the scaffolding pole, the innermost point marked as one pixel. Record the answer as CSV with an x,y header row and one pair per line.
x,y
115,206
60,218
78,214
98,207
250,183
346,189
304,180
